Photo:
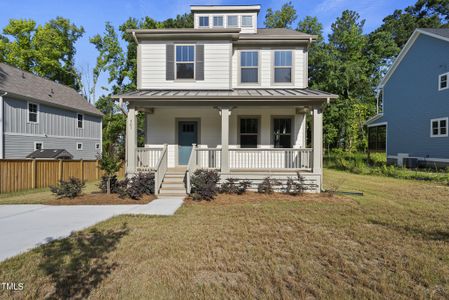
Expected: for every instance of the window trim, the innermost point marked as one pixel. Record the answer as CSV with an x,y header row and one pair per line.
x,y
82,146
292,134
222,21
258,83
194,63
82,121
258,118
37,112
232,26
439,128
447,81
246,26
273,67
199,22
35,143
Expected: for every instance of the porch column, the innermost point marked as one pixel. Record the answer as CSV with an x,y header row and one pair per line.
x,y
131,140
317,140
300,130
225,112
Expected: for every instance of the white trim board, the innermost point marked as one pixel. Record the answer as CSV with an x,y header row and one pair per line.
x,y
377,124
423,158
52,136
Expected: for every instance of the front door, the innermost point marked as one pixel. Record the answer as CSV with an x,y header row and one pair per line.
x,y
187,135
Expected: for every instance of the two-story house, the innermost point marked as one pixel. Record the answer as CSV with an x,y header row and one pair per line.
x,y
413,124
40,114
224,95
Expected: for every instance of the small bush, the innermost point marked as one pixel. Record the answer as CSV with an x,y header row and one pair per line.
x,y
204,184
234,186
140,184
71,188
103,185
268,185
295,187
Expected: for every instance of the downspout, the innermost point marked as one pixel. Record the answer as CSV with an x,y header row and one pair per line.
x,y
2,135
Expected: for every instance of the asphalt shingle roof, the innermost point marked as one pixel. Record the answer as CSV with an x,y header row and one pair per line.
x,y
50,153
444,32
16,81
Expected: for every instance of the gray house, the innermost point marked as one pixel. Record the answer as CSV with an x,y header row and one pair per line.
x,y
36,113
413,124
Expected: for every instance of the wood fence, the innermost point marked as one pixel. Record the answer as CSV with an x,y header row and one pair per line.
x,y
26,174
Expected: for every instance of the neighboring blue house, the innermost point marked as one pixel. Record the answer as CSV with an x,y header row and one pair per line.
x,y
37,113
413,124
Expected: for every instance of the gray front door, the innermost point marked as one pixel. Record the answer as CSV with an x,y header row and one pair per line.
x,y
187,135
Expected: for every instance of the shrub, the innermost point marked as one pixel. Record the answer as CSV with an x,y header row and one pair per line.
x,y
204,184
268,185
295,188
234,186
103,185
140,184
70,188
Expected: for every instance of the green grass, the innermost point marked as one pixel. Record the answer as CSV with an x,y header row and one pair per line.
x,y
38,196
391,243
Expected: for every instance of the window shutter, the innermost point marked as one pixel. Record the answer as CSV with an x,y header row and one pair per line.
x,y
199,75
170,62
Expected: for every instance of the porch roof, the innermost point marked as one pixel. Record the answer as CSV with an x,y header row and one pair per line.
x,y
235,94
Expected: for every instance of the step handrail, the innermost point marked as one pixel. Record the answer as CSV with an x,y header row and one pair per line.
x,y
160,170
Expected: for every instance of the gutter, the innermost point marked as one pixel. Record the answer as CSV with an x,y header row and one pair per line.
x,y
2,136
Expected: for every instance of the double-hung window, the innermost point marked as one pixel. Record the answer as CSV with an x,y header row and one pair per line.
x,y
185,61
249,132
79,120
247,21
249,67
33,111
218,21
438,127
443,81
282,132
283,66
233,21
204,21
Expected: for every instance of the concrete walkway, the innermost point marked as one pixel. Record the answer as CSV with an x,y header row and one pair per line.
x,y
23,227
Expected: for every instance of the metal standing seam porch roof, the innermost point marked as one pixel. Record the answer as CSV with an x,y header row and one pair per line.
x,y
236,94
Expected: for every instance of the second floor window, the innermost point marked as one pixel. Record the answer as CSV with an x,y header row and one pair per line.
x,y
443,81
283,66
249,67
185,62
247,21
232,21
33,113
204,21
80,121
439,127
218,21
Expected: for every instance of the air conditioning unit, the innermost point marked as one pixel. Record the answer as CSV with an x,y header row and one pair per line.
x,y
410,162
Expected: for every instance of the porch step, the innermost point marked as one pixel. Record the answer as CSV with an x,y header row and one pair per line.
x,y
170,192
174,175
173,184
176,185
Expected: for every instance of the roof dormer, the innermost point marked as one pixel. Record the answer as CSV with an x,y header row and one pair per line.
x,y
226,16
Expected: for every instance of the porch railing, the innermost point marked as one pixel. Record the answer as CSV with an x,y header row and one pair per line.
x,y
160,170
270,158
147,158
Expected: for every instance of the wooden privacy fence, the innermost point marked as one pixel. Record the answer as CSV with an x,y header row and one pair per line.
x,y
26,174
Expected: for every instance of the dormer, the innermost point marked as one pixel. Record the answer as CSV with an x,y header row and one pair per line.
x,y
226,16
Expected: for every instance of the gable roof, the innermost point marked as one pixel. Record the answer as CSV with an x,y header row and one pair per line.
x,y
439,33
21,83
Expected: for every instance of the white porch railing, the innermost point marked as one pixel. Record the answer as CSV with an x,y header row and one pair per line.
x,y
160,170
147,158
270,158
208,158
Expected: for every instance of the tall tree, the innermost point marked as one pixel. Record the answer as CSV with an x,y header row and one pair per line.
x,y
282,18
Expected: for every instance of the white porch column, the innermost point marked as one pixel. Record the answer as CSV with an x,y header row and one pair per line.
x,y
131,140
225,112
300,130
317,140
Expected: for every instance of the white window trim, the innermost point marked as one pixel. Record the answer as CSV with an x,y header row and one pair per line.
x,y
292,67
199,21
194,63
447,81
82,122
240,67
28,112
232,26
246,26
78,143
223,21
35,143
431,128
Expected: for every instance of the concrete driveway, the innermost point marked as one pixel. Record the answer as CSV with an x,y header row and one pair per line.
x,y
23,227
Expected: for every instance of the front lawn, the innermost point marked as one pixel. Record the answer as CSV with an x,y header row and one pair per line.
x,y
393,242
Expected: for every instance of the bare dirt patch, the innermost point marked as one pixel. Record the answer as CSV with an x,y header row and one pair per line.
x,y
100,199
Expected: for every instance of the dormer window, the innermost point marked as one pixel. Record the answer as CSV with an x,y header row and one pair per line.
x,y
204,21
185,61
218,21
247,21
233,21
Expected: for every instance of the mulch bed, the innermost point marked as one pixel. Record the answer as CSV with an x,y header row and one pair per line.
x,y
100,199
257,197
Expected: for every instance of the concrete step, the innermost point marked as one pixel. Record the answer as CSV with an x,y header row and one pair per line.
x,y
174,175
172,192
176,185
173,181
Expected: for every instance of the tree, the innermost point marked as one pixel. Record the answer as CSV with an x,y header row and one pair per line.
x,y
282,18
110,163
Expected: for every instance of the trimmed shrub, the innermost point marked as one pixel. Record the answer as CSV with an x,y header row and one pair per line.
x,y
103,185
295,187
140,184
71,188
234,186
268,185
204,184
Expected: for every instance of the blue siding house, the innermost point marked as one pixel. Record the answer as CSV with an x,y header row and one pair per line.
x,y
413,123
37,113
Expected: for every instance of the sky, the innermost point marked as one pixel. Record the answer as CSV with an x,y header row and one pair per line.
x,y
92,15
